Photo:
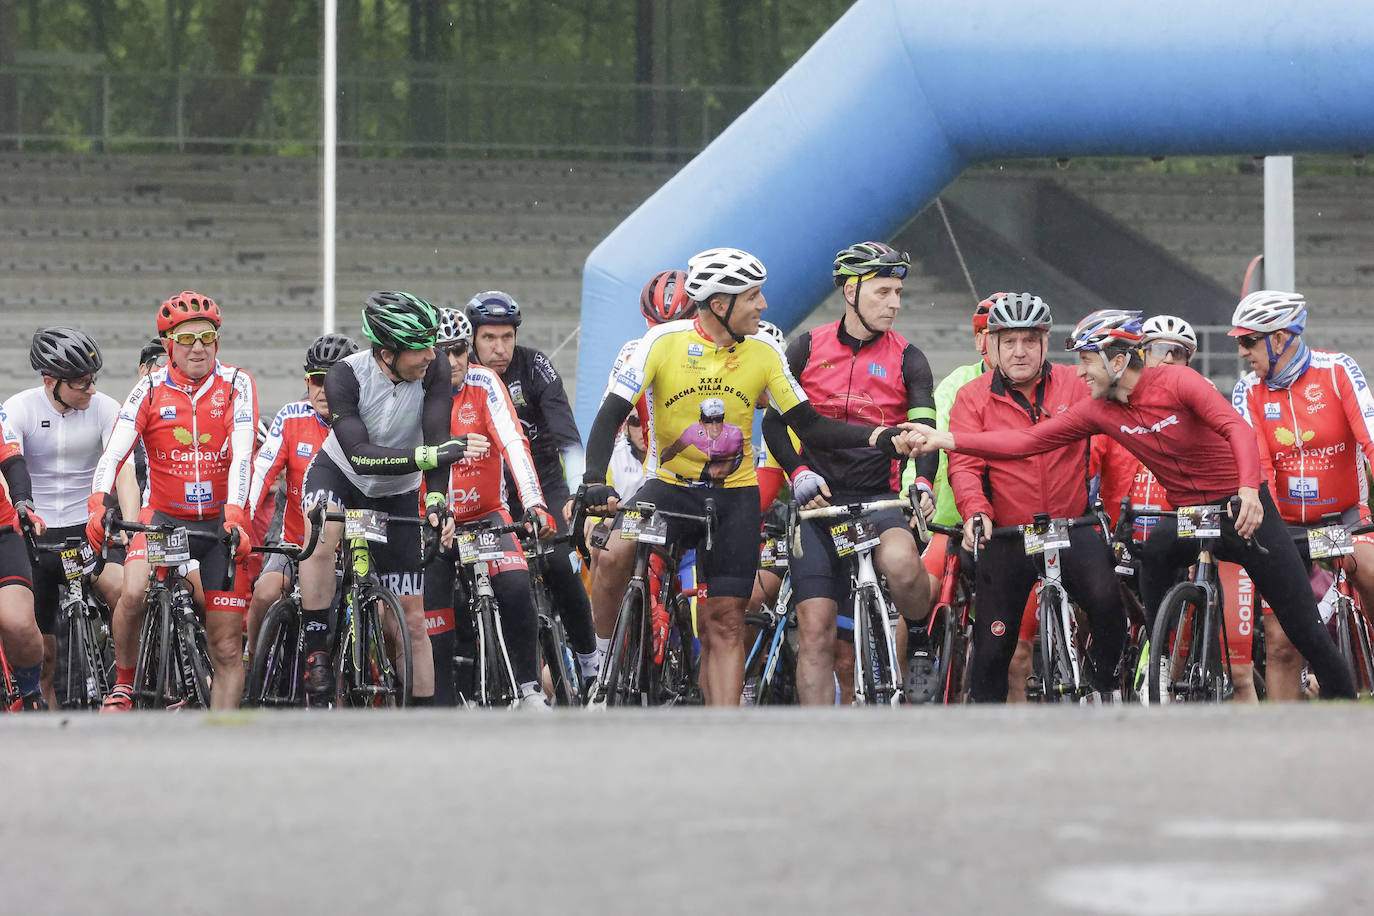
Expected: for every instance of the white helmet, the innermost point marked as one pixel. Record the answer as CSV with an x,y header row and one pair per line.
x,y
1265,311
712,408
453,327
722,270
1167,327
773,334
1014,311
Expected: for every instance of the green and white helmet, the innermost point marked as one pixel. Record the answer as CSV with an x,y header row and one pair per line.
x,y
398,321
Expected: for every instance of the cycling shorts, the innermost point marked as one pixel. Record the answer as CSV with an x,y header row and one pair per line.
x,y
211,556
444,604
278,563
728,568
819,572
14,560
396,562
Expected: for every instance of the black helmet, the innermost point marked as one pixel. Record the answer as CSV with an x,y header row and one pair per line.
x,y
398,321
326,351
64,353
493,307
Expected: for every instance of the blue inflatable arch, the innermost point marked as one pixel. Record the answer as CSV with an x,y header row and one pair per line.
x,y
898,98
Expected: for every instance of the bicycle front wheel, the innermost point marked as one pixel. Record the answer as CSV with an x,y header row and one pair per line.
x,y
86,679
386,674
1176,672
1057,672
274,677
153,679
626,673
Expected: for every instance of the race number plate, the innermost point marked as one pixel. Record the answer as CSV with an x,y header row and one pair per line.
x,y
368,524
489,546
467,548
773,554
1329,541
169,548
654,530
865,534
842,533
1053,535
76,561
1199,522
630,521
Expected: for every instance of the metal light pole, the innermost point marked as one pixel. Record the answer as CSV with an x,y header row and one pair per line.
x,y
1278,223
327,170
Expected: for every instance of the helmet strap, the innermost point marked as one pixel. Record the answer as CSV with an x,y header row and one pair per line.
x,y
725,320
57,397
858,286
1275,357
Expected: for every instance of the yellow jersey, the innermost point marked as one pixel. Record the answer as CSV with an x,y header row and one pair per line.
x,y
701,401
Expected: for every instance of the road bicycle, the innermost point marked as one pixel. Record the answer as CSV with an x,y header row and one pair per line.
x,y
770,667
86,668
949,632
877,670
1061,670
634,673
1333,541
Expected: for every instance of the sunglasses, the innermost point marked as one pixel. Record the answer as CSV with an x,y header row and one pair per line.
x,y
315,378
1163,350
1250,341
633,420
457,349
81,386
187,339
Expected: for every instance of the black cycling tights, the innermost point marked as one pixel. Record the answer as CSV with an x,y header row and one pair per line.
x,y
1280,577
1004,578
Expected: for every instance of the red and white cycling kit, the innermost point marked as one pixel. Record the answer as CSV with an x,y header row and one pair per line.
x,y
1315,437
9,448
295,436
199,438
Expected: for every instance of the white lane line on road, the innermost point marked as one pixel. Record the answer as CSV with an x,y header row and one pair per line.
x,y
1181,889
1274,831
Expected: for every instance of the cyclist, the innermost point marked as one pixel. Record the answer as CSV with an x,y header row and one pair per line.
x,y
296,434
858,368
61,426
388,433
1176,423
1022,392
482,410
678,365
1313,418
1167,341
19,633
196,418
555,445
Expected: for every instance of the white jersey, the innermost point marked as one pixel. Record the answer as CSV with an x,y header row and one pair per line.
x,y
60,449
627,473
392,413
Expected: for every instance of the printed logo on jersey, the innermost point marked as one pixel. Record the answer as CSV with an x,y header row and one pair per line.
x,y
1170,420
461,496
1285,436
630,379
1302,488
877,369
218,399
998,628
183,435
694,349
45,424
168,412
467,414
303,449
1369,411
732,361
1313,392
199,493
1272,411
517,394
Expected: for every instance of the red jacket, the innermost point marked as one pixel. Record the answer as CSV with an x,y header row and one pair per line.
x,y
1012,491
1175,422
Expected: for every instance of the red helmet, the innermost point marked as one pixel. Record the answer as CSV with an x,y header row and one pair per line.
x,y
186,306
664,298
980,312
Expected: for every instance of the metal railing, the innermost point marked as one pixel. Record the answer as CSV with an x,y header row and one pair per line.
x,y
406,113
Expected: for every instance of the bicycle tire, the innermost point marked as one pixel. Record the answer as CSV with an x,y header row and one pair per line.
x,y
947,639
624,682
152,671
555,652
86,682
1362,645
275,674
779,686
677,676
392,683
867,667
1056,673
1173,674
499,689
193,643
